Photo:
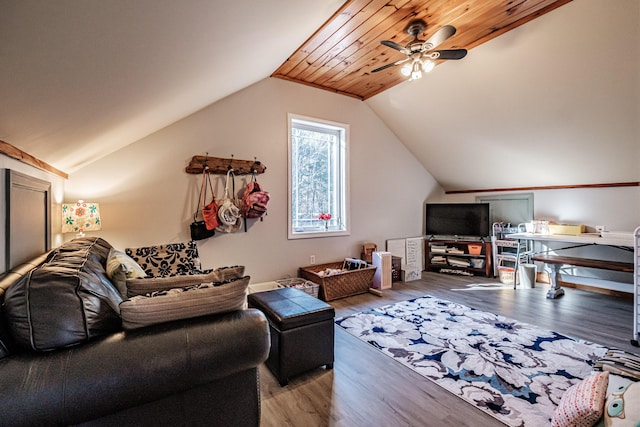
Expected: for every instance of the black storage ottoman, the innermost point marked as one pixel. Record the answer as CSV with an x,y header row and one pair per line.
x,y
301,329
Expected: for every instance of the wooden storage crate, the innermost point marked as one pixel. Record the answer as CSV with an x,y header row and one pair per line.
x,y
341,285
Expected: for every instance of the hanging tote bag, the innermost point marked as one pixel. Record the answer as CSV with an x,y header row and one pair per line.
x,y
199,229
254,200
229,212
210,210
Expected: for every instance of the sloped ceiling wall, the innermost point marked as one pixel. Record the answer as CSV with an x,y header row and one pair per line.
x,y
80,79
554,102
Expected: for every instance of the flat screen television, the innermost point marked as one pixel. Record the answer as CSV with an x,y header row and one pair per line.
x,y
457,219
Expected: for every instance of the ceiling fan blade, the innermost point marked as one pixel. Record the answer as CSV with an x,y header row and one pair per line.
x,y
448,54
396,46
384,67
439,37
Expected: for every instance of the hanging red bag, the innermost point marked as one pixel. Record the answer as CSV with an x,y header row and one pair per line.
x,y
210,210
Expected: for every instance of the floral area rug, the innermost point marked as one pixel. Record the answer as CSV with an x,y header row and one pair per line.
x,y
513,371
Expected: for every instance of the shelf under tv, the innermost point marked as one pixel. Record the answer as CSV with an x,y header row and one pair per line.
x,y
470,256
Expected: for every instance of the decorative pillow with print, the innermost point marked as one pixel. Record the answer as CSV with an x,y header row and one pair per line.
x,y
146,285
172,259
622,407
583,403
184,303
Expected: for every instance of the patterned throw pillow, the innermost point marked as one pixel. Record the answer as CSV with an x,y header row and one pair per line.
x,y
121,267
582,404
622,408
172,259
135,287
184,303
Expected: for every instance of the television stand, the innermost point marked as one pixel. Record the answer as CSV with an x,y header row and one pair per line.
x,y
458,256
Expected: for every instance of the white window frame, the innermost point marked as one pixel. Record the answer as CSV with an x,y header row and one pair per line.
x,y
340,224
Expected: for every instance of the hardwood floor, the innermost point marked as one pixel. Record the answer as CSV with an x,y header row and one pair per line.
x,y
368,388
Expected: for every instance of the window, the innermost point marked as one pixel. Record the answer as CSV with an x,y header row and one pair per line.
x,y
510,208
318,178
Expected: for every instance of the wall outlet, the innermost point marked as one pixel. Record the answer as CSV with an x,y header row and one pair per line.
x,y
312,259
600,228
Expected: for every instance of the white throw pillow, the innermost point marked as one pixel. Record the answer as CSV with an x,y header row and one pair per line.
x,y
121,267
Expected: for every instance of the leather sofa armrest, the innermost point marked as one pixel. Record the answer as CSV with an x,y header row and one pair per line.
x,y
130,368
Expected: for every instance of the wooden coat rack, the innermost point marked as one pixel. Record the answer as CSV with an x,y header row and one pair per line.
x,y
218,165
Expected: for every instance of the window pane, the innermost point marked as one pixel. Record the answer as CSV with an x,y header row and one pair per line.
x,y
317,178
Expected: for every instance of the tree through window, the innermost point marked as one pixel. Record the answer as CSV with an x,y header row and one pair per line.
x,y
318,184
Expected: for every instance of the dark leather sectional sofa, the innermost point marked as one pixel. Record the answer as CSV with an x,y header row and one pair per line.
x,y
201,371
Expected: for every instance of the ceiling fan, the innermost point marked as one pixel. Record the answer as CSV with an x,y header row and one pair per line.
x,y
420,54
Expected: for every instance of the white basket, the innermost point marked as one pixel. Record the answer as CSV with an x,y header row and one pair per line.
x,y
505,274
261,287
302,284
477,263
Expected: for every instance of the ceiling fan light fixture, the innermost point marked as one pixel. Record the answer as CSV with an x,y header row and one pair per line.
x,y
428,65
420,55
416,71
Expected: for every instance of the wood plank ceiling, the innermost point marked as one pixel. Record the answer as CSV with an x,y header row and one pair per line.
x,y
339,57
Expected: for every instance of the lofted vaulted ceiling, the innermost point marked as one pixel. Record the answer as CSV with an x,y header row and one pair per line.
x,y
339,56
80,79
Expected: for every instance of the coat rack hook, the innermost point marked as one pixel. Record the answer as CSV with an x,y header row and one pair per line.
x,y
218,165
254,167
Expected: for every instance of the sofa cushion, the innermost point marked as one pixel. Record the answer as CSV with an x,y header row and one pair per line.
x,y
66,300
147,285
5,339
121,267
7,345
184,303
99,249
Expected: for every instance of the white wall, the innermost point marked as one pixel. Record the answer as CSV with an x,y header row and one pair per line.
x,y
617,208
147,198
